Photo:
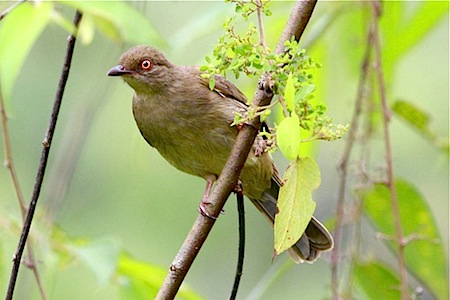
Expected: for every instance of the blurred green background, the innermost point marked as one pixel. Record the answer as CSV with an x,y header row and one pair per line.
x,y
105,183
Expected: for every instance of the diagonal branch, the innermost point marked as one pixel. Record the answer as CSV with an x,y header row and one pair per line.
x,y
227,180
44,159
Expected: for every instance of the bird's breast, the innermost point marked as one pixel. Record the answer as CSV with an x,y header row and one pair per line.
x,y
194,138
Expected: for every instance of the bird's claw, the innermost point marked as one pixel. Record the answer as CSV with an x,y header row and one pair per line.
x,y
202,210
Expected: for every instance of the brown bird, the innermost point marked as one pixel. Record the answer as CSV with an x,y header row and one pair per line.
x,y
190,126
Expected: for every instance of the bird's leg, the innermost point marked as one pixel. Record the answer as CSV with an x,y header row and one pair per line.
x,y
202,207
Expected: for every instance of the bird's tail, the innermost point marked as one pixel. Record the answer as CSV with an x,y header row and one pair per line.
x,y
315,239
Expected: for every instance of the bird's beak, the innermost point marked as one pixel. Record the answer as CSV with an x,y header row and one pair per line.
x,y
118,71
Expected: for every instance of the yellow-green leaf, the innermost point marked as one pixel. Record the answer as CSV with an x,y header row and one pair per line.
x,y
18,32
305,91
141,280
377,281
288,137
120,21
100,255
86,31
295,204
412,114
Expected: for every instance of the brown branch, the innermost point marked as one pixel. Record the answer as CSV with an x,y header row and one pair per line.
x,y
388,148
44,159
230,174
299,18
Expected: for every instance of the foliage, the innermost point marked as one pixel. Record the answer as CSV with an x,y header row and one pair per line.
x,y
337,37
21,28
295,203
425,253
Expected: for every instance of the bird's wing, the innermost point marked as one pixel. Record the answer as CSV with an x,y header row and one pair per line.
x,y
227,89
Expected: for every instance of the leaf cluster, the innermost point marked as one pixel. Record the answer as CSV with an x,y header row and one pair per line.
x,y
247,8
290,72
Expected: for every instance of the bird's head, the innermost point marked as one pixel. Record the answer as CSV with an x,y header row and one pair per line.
x,y
144,68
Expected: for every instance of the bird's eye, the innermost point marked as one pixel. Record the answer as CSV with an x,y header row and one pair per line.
x,y
146,64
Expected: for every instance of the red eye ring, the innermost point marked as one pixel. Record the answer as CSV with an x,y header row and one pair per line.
x,y
146,64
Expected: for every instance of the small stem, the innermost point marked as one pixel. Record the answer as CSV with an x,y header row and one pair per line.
x,y
241,251
277,270
284,106
388,149
9,163
262,40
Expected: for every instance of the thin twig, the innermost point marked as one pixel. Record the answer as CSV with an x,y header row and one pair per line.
x,y
278,269
9,163
44,159
388,149
262,39
9,9
343,166
241,251
231,171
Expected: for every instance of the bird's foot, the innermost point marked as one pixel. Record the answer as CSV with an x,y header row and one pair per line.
x,y
204,212
202,209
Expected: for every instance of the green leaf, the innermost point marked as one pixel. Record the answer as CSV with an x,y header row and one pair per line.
x,y
19,30
412,114
100,255
140,280
304,91
288,137
289,93
377,281
119,21
399,21
425,256
295,204
212,82
86,31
